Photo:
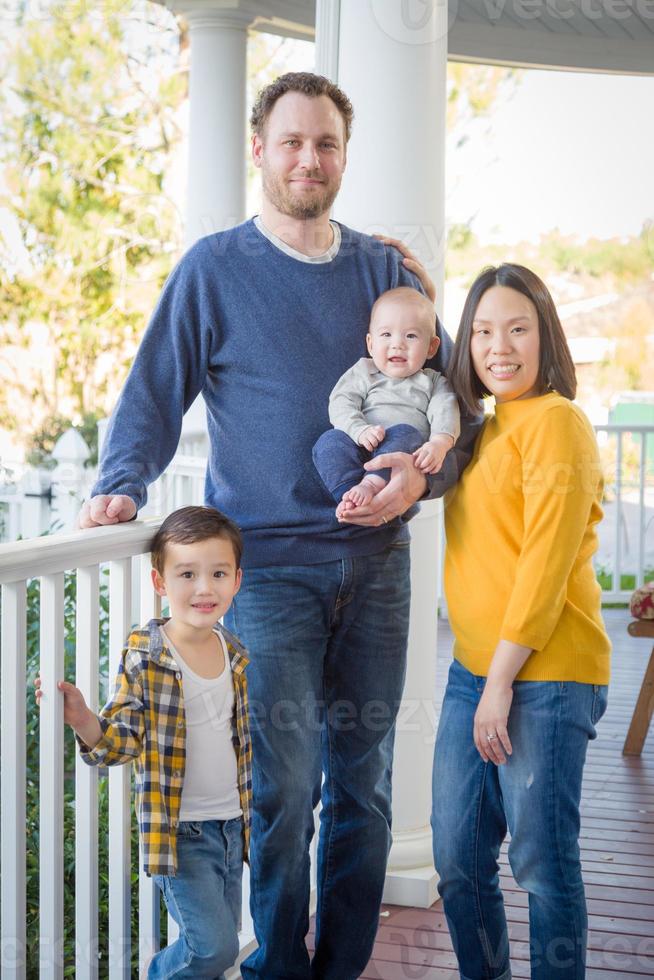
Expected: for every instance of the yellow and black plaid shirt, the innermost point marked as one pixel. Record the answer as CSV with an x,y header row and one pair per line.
x,y
144,722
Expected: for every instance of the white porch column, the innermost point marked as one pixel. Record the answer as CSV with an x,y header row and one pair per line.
x,y
392,64
217,123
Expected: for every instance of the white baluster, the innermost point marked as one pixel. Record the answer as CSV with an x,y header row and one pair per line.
x,y
86,782
12,751
247,925
313,857
119,791
617,548
51,783
642,482
149,919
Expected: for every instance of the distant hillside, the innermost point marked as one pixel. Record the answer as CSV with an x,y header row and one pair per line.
x,y
595,265
602,289
604,312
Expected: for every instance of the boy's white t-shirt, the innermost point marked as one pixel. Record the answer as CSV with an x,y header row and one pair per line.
x,y
210,790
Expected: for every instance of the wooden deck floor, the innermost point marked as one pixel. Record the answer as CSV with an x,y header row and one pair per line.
x,y
617,841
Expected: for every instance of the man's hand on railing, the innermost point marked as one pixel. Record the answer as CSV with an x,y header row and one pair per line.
x,y
76,712
106,509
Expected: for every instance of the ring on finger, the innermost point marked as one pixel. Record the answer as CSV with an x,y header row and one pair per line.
x,y
491,737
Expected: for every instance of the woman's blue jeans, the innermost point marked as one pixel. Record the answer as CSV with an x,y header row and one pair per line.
x,y
536,794
204,899
327,648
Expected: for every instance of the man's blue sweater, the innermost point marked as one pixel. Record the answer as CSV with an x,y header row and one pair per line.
x,y
264,337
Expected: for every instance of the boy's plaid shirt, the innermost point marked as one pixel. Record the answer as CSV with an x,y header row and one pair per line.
x,y
144,722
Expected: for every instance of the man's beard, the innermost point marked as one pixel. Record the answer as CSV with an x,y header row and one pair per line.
x,y
312,206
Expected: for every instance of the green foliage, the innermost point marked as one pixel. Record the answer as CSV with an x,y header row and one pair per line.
x,y
624,260
627,582
41,443
460,236
619,261
473,90
88,129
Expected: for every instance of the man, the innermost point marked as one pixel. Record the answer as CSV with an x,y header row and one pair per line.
x,y
263,319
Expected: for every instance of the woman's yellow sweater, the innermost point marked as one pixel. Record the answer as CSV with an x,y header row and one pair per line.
x,y
520,536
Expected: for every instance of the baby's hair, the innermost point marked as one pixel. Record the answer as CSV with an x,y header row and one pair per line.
x,y
410,295
191,524
556,370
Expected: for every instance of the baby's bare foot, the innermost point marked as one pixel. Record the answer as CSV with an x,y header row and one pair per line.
x,y
344,506
361,495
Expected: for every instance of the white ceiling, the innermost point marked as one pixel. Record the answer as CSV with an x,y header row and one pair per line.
x,y
584,35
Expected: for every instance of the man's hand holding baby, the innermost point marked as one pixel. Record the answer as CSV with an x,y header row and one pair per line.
x,y
429,458
372,436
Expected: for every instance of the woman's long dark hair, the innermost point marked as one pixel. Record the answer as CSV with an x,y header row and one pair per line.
x,y
556,369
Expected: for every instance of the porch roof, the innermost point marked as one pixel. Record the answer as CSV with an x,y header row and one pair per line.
x,y
574,35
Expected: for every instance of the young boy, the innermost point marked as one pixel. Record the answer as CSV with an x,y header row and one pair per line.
x,y
179,712
388,403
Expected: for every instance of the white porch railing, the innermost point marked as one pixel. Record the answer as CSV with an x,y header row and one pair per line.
x,y
626,535
29,508
131,600
181,484
26,506
33,500
626,546
626,551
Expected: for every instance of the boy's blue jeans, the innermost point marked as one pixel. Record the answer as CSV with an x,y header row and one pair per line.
x,y
204,899
327,648
537,795
339,460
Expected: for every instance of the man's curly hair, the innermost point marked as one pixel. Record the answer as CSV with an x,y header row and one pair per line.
x,y
308,84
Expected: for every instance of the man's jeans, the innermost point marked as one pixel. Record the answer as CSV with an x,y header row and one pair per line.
x,y
204,899
537,794
327,647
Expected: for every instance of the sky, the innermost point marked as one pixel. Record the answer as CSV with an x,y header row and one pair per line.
x,y
566,150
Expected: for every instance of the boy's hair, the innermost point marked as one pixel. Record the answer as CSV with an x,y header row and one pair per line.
x,y
307,83
409,295
190,524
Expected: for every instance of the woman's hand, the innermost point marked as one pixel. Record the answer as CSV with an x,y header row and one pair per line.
x,y
411,263
492,712
491,719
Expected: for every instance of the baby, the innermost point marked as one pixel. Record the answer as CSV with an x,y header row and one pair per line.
x,y
388,402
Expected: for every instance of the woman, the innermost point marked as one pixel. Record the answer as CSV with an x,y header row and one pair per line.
x,y
527,684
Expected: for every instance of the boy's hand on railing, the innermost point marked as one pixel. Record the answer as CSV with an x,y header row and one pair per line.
x,y
106,509
76,712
